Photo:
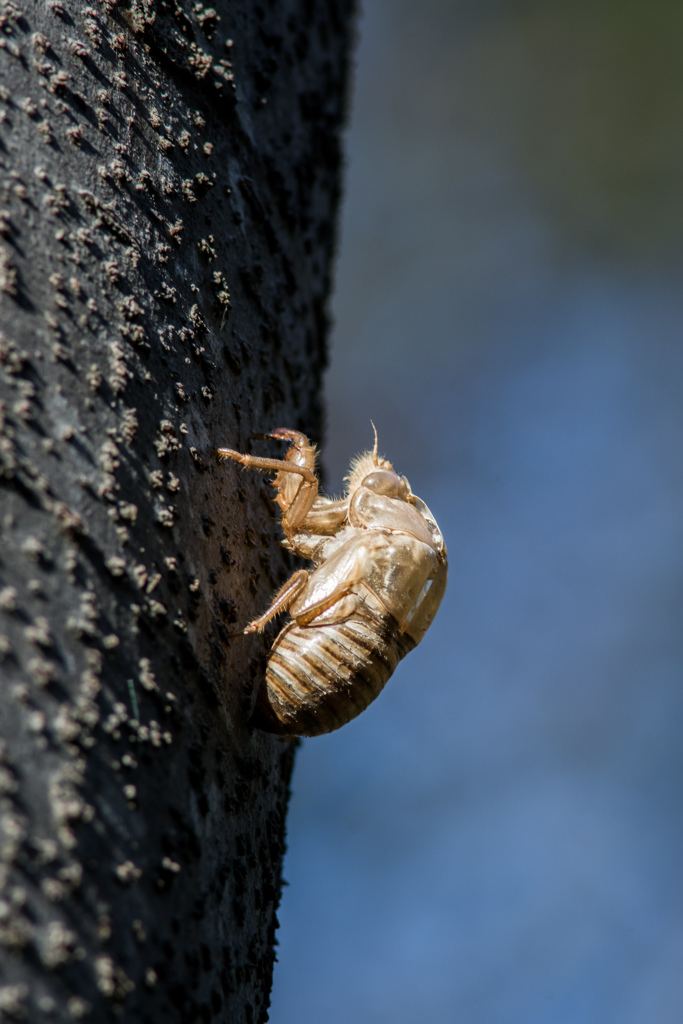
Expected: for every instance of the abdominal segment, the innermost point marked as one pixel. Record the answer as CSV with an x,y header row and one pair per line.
x,y
320,677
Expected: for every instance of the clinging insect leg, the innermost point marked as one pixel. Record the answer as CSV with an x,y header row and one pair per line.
x,y
294,512
295,502
281,602
275,465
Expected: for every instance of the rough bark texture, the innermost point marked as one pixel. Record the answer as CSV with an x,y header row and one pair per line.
x,y
168,179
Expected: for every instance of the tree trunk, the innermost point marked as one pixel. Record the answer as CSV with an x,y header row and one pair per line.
x,y
169,177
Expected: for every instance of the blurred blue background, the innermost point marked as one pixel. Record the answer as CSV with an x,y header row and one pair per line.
x,y
499,838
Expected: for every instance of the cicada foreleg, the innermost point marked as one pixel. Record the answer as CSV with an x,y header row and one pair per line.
x,y
295,502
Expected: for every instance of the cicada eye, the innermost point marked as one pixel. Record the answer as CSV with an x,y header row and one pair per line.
x,y
385,482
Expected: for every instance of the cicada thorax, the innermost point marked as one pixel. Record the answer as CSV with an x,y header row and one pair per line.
x,y
320,677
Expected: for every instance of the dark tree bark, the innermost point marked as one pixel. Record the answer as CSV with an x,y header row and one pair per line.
x,y
169,175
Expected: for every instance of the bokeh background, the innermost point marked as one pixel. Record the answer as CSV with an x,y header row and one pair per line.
x,y
499,838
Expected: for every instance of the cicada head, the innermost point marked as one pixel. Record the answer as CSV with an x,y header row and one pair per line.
x,y
369,470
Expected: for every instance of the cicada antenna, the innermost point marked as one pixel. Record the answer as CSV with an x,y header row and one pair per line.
x,y
375,457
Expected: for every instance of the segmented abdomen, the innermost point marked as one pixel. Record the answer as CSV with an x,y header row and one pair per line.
x,y
320,677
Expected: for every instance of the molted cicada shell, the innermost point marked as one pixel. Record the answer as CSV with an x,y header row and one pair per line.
x,y
379,576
